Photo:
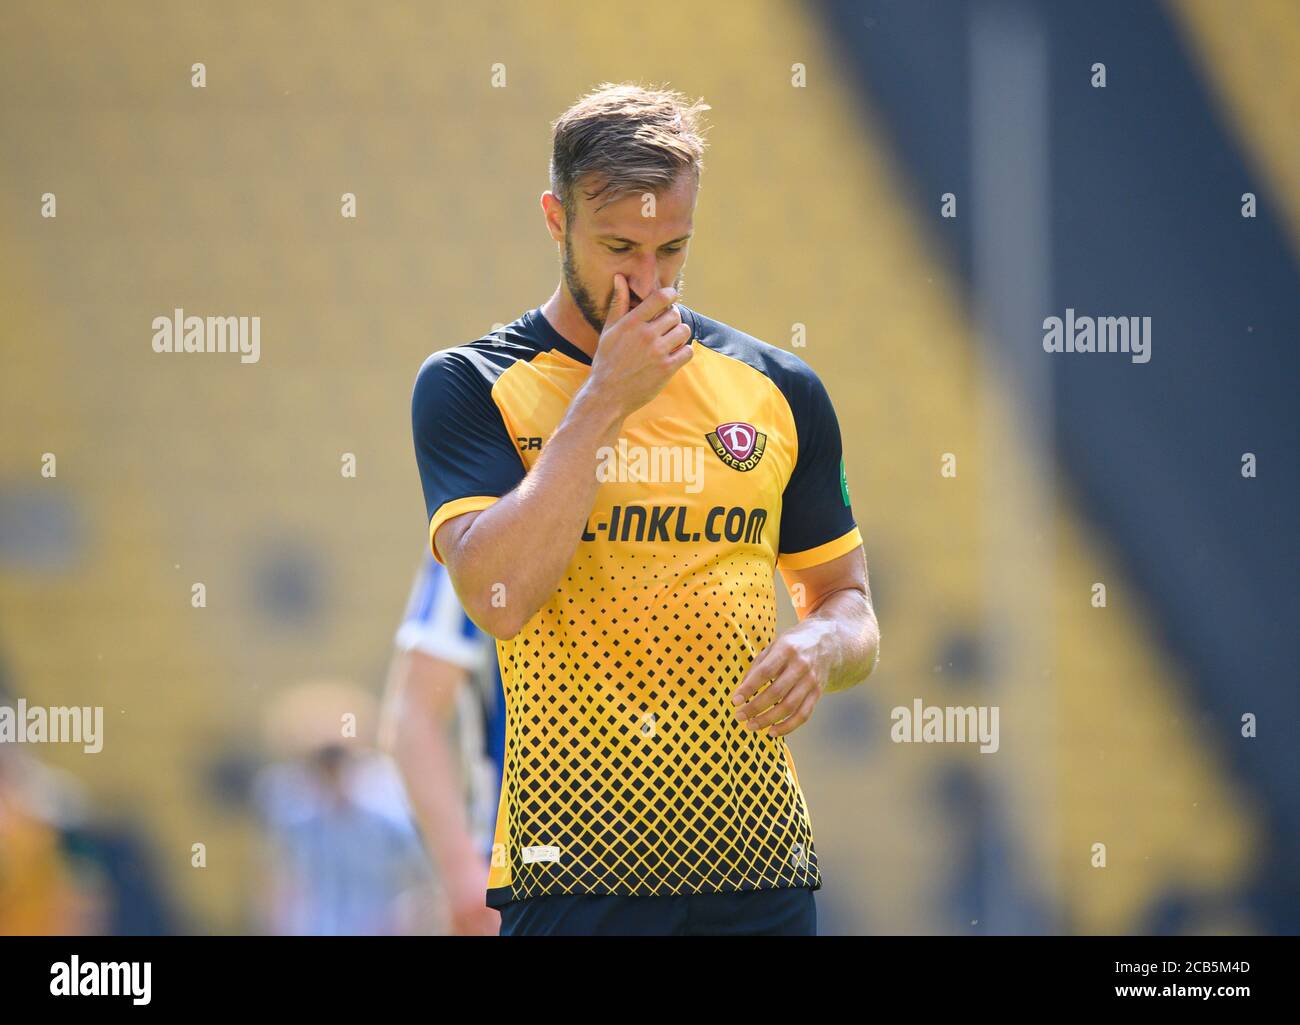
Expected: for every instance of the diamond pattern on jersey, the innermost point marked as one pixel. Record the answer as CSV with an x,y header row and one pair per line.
x,y
623,750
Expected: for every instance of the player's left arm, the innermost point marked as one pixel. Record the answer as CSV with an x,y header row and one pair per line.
x,y
836,642
835,645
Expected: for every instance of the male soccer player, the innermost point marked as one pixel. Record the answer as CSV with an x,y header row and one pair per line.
x,y
611,481
444,671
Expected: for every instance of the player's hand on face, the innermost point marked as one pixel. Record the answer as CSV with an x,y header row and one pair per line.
x,y
640,349
797,666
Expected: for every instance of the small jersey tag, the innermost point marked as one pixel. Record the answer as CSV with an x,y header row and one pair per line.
x,y
532,854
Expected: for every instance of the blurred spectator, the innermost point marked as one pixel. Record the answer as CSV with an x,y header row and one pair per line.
x,y
42,890
345,858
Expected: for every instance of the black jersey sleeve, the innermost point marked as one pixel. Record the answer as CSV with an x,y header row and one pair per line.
x,y
817,522
465,454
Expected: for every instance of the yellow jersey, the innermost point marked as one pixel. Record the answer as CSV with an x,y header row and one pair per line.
x,y
626,771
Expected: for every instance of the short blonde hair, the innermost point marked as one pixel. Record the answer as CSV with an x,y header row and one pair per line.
x,y
629,138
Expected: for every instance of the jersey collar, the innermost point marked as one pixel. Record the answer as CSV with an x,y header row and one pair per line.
x,y
553,339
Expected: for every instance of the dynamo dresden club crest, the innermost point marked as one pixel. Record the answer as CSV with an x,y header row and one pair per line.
x,y
738,444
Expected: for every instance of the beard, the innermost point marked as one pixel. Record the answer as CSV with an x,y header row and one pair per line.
x,y
593,313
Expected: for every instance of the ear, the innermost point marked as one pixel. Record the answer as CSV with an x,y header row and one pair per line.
x,y
553,210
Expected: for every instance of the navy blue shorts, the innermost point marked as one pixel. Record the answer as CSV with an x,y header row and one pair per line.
x,y
787,912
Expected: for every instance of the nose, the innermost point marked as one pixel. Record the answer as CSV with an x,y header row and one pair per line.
x,y
643,279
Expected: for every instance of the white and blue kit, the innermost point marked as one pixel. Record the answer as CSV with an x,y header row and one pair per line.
x,y
435,623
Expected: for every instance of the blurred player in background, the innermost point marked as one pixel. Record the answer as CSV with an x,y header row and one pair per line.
x,y
444,723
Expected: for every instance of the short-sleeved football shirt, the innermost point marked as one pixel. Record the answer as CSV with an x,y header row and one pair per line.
x,y
626,771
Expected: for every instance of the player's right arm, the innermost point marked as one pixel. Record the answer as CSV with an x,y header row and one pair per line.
x,y
436,652
507,556
419,704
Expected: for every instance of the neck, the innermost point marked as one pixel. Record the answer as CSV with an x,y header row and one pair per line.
x,y
563,314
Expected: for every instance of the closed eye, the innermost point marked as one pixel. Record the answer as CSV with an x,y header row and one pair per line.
x,y
628,249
